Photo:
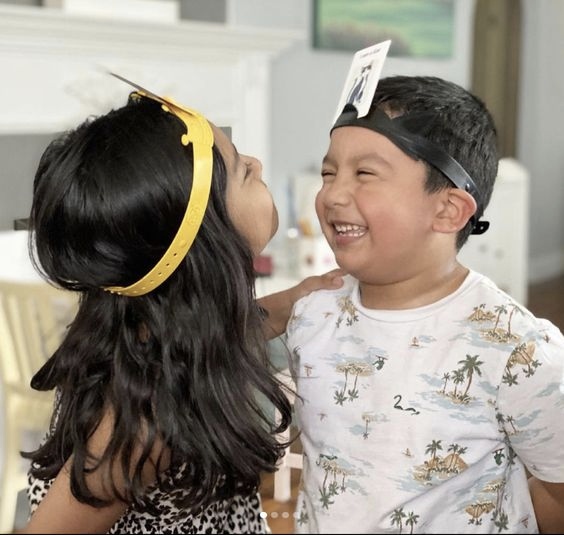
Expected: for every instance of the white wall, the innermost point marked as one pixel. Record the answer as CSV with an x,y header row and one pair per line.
x,y
540,132
54,67
307,84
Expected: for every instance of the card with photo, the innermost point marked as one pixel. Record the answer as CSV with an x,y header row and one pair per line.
x,y
362,78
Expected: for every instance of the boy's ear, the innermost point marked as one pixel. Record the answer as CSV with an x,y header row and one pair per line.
x,y
455,209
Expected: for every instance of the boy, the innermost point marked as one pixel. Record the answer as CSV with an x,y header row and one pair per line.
x,y
431,402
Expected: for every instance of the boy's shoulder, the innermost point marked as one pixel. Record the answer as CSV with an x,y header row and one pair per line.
x,y
489,295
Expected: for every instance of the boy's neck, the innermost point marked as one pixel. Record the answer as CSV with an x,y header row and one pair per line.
x,y
424,289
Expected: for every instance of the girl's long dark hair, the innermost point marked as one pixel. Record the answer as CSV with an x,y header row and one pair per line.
x,y
186,363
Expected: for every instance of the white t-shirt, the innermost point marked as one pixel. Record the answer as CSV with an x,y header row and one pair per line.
x,y
422,420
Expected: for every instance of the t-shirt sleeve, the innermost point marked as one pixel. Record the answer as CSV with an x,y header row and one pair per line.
x,y
531,401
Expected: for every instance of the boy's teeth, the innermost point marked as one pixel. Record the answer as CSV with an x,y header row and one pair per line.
x,y
353,230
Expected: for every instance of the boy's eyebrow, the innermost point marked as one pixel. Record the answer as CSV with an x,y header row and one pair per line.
x,y
357,158
374,156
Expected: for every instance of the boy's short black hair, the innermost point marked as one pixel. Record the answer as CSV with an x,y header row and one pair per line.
x,y
463,127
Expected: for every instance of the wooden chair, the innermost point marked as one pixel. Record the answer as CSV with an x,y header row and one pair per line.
x,y
33,318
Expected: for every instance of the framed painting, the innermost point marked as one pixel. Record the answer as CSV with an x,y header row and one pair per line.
x,y
417,28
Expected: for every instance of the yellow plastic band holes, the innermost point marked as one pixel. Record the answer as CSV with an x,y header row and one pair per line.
x,y
200,134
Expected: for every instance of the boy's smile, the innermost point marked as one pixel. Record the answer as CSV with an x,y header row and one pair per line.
x,y
374,210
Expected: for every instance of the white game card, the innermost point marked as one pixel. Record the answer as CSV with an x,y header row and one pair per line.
x,y
362,78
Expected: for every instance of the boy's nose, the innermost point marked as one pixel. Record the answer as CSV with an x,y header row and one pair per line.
x,y
336,192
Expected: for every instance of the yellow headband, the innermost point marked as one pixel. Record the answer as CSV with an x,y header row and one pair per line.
x,y
200,134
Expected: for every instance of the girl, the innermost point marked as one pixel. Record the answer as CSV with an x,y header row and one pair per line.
x,y
154,217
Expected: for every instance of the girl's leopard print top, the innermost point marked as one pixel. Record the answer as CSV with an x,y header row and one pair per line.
x,y
242,514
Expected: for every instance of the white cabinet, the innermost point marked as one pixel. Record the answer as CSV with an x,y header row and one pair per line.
x,y
501,253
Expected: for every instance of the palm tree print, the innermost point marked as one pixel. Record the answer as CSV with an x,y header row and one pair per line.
x,y
499,309
524,354
458,379
456,450
514,308
411,520
480,314
476,510
367,417
497,333
331,485
355,369
509,379
497,486
510,420
501,521
470,366
450,465
397,518
325,497
446,377
303,518
432,449
348,310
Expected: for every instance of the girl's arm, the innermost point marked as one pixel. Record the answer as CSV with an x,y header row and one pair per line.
x,y
61,512
548,502
278,306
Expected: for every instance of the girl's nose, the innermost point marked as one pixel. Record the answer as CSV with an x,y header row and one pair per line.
x,y
257,164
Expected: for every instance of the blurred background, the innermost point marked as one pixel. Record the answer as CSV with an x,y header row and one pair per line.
x,y
274,71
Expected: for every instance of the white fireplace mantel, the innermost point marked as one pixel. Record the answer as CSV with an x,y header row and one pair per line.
x,y
53,70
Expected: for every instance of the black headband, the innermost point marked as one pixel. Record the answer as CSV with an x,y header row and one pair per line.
x,y
406,133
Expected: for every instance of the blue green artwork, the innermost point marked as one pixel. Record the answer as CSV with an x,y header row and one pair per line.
x,y
417,28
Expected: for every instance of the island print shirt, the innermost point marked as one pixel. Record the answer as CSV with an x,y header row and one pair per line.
x,y
423,420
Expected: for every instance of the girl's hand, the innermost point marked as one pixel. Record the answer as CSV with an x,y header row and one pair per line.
x,y
278,306
328,281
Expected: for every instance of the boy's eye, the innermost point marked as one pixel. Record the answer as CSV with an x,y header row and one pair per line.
x,y
368,175
326,174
